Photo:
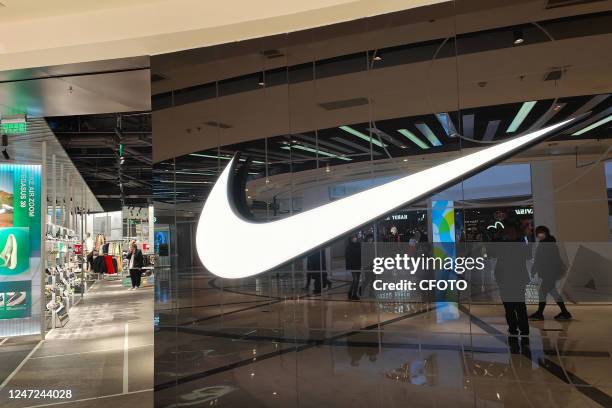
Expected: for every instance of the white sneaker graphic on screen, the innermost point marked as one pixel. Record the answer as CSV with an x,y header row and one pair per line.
x,y
8,256
18,298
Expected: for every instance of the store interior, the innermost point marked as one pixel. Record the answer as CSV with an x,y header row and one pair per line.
x,y
76,194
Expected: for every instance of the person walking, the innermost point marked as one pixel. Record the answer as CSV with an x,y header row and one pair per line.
x,y
352,257
549,267
135,264
512,277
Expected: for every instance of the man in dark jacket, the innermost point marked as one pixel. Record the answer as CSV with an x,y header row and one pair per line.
x,y
512,277
135,264
352,257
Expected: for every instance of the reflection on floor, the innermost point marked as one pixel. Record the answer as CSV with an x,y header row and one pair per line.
x,y
262,343
104,355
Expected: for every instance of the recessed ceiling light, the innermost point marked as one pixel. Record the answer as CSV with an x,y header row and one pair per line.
x,y
518,36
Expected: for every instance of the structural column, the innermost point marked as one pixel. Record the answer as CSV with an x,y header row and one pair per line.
x,y
572,204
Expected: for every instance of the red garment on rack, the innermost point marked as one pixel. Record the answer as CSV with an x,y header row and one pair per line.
x,y
108,260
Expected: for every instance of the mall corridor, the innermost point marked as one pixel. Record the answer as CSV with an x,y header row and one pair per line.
x,y
104,355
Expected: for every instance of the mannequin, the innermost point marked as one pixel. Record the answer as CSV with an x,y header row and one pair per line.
x,y
89,243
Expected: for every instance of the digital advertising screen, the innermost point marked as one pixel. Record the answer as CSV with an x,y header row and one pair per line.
x,y
20,248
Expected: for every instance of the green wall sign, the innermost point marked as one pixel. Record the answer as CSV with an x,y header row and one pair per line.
x,y
12,128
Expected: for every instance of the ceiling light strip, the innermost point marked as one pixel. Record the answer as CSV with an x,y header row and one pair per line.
x,y
362,136
593,102
547,116
491,130
386,137
321,152
210,156
447,123
520,116
413,138
593,126
429,135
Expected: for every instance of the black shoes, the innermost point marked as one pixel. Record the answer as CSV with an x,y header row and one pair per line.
x,y
563,316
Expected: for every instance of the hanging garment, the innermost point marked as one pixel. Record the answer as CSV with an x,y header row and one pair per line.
x,y
108,260
98,264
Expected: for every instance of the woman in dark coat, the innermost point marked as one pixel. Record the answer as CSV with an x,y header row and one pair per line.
x,y
550,268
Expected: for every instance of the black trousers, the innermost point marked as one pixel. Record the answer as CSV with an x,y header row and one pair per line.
x,y
318,277
354,290
516,317
135,276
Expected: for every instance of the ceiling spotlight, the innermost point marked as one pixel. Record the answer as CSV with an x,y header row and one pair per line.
x,y
518,36
6,155
377,58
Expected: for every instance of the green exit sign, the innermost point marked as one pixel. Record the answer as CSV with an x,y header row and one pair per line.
x,y
12,128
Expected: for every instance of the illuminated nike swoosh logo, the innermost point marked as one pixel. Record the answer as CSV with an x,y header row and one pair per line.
x,y
231,246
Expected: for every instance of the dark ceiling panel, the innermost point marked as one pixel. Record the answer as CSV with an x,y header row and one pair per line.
x,y
92,143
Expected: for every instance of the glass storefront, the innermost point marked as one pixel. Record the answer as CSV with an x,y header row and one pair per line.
x,y
319,116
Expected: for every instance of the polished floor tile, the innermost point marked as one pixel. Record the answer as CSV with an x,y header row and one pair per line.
x,y
89,355
275,344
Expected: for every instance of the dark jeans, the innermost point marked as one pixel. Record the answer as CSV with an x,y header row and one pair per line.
x,y
135,275
516,317
354,290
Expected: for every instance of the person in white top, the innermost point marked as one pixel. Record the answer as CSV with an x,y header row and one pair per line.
x,y
135,264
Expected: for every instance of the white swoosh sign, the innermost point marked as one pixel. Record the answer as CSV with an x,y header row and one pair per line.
x,y
231,246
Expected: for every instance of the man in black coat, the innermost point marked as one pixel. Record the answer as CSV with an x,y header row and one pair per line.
x,y
512,277
352,256
135,264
